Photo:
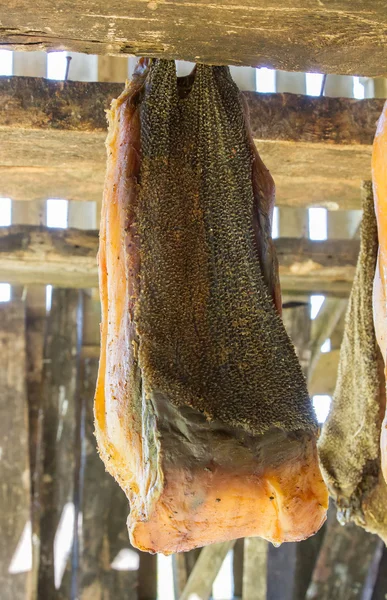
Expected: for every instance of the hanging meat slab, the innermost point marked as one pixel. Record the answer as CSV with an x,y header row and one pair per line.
x,y
202,413
379,180
349,446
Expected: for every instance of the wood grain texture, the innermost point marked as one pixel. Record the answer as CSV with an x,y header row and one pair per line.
x,y
59,392
104,509
345,37
342,566
199,584
15,474
255,569
67,257
52,142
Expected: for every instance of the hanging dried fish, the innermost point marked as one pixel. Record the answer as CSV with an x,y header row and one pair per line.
x,y
202,412
349,445
379,180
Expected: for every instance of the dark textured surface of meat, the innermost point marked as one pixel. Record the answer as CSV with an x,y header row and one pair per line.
x,y
349,447
210,335
202,412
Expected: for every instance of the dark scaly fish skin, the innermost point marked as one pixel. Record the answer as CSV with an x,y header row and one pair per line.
x,y
201,410
349,446
211,337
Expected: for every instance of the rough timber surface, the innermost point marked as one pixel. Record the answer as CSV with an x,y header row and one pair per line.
x,y
344,37
52,142
15,474
67,258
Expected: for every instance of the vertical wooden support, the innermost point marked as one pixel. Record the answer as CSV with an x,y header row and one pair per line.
x,y
238,561
343,563
14,461
147,577
281,570
59,391
255,569
33,213
35,333
104,510
306,556
204,573
180,575
380,588
296,318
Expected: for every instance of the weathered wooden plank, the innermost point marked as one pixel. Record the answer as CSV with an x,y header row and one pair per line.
x,y
101,539
41,252
15,474
296,318
346,38
255,569
323,379
52,142
35,334
207,566
380,588
59,390
67,257
342,566
238,560
329,316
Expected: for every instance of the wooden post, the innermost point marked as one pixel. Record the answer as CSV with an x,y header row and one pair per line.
x,y
380,587
255,569
35,334
343,563
33,213
238,561
207,566
104,511
59,391
15,475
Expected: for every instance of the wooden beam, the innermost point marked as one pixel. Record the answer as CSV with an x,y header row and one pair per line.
x,y
67,257
323,379
342,566
104,508
329,316
15,474
345,38
62,257
255,569
199,584
60,403
52,142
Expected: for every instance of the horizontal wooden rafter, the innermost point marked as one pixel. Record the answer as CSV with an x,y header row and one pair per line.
x,y
67,258
52,142
344,37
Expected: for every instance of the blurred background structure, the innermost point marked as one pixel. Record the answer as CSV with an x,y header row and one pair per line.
x,y
63,518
